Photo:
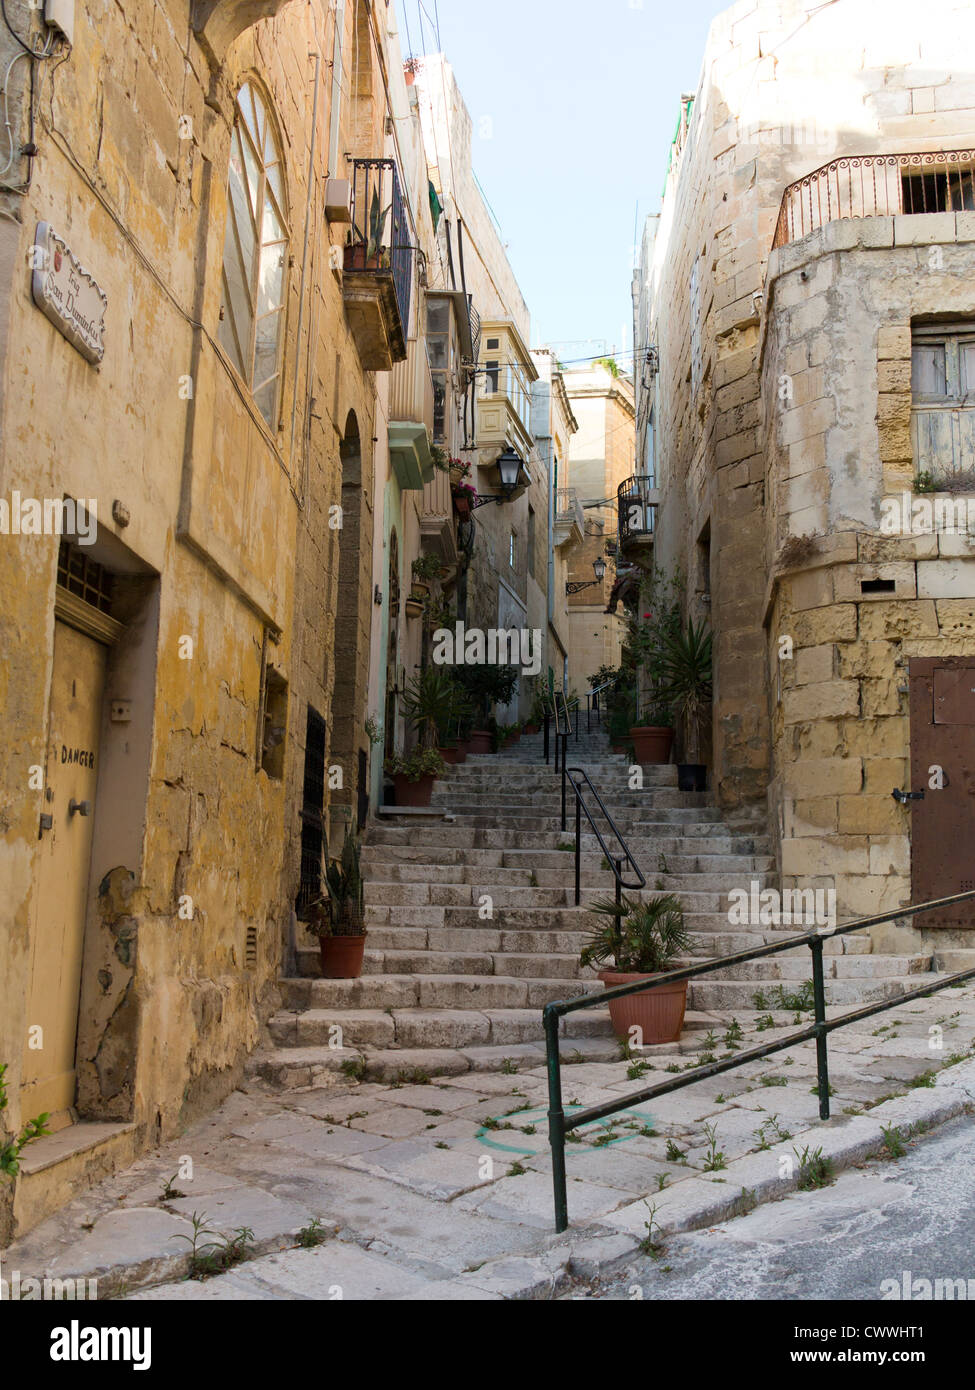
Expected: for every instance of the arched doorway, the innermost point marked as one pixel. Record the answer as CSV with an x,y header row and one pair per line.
x,y
349,744
392,645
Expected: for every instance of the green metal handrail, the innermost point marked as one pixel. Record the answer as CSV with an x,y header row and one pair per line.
x,y
559,1124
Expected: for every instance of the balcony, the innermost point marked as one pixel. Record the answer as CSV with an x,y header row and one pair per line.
x,y
411,417
637,500
570,521
877,185
377,281
438,525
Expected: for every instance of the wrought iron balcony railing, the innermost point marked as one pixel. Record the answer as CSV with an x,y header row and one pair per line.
x,y
637,508
877,185
380,236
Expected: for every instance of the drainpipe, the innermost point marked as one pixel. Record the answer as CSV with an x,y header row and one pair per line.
x,y
304,262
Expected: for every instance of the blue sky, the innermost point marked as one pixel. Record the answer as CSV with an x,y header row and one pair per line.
x,y
582,100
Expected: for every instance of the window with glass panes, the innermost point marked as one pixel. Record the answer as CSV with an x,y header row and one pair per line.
x,y
943,392
255,254
438,350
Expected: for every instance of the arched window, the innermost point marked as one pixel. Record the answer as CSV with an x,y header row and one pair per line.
x,y
255,253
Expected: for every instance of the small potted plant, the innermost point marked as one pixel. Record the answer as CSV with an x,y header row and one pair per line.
x,y
465,496
653,736
368,252
687,685
640,941
486,686
414,774
410,69
425,569
458,469
337,918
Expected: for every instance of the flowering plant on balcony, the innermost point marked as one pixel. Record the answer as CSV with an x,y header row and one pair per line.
x,y
465,497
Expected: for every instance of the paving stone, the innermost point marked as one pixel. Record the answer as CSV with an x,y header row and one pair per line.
x,y
255,1207
331,1141
333,1271
395,1122
528,1200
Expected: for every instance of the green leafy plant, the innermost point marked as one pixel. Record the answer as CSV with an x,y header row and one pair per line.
x,y
11,1149
714,1159
638,938
313,1234
674,1154
651,1244
815,1169
893,1141
422,762
430,702
426,567
340,911
486,685
686,678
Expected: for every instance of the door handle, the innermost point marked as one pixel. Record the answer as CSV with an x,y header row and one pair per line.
x,y
904,797
83,808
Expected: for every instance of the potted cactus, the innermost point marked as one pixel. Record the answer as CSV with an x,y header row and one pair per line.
x,y
640,941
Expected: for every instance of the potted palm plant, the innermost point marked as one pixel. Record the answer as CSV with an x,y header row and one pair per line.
x,y
640,941
337,918
687,684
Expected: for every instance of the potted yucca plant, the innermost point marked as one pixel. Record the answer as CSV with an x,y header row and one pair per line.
x,y
337,917
640,941
687,686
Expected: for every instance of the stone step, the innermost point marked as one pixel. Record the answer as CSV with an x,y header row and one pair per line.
x,y
464,992
592,867
797,966
419,1028
724,996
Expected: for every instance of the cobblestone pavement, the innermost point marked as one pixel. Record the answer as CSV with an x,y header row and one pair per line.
x,y
440,1188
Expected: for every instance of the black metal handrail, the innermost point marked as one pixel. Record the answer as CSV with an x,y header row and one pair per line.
x,y
559,1124
615,861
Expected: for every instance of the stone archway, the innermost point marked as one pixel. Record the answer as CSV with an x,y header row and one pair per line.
x,y
353,615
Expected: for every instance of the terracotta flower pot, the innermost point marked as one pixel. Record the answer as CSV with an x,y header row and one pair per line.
x,y
413,793
451,756
414,608
480,741
659,1014
530,729
652,743
462,504
356,259
341,956
463,748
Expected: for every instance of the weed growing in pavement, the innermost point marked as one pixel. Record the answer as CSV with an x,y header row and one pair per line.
x,y
815,1169
714,1159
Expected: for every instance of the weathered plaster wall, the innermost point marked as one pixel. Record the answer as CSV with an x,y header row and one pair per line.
x,y
840,306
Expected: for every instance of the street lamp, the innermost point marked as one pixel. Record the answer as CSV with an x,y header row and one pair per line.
x,y
509,466
599,569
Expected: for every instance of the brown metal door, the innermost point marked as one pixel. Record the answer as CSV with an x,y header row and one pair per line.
x,y
943,767
64,856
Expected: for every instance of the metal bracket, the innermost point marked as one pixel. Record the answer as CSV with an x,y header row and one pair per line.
x,y
903,797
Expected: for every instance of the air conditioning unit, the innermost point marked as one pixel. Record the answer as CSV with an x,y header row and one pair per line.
x,y
59,15
338,200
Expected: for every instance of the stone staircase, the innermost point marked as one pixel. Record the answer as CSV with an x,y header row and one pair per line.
x,y
473,928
